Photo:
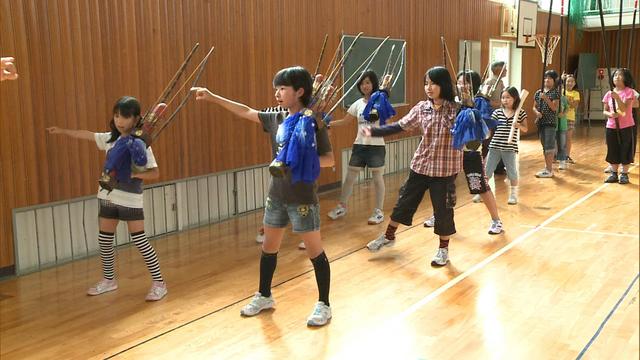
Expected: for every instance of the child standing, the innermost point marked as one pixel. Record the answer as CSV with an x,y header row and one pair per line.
x,y
545,106
573,97
619,128
366,151
124,203
434,166
472,163
561,133
293,197
500,148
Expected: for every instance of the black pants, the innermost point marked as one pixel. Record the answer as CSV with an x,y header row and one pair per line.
x,y
620,146
443,200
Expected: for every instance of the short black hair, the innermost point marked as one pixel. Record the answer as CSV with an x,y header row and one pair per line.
x,y
372,77
551,74
126,106
440,76
296,77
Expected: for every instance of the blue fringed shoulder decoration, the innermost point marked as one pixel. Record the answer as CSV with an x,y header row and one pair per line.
x,y
124,152
469,126
484,107
300,151
379,101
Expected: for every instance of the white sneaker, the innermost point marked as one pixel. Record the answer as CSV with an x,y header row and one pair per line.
x,y
544,174
513,198
377,244
376,218
320,316
496,227
430,222
441,258
563,165
102,287
476,198
260,238
257,304
338,212
158,291
302,246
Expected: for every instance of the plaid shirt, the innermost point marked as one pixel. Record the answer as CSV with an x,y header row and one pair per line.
x,y
435,156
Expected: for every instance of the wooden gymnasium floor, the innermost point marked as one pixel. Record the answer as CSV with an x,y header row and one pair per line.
x,y
561,281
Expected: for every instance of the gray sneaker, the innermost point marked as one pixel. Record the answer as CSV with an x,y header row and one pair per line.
x,y
338,212
320,316
441,258
544,174
496,227
257,304
377,244
430,222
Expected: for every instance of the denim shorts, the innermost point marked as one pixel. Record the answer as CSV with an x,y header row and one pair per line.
x,y
367,155
548,138
304,217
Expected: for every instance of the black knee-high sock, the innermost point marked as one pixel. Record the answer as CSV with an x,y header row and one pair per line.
x,y
323,276
268,264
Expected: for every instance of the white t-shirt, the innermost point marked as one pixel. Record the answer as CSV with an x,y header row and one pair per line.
x,y
116,196
356,110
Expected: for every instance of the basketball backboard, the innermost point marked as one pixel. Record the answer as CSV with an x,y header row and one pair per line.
x,y
527,23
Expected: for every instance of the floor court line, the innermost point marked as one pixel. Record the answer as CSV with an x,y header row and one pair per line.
x,y
634,236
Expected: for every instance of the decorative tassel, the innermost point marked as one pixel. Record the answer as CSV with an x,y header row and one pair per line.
x,y
379,101
300,151
469,126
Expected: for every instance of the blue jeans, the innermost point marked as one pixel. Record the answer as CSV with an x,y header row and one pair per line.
x,y
547,138
303,217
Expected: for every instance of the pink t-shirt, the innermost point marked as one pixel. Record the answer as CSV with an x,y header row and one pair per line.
x,y
626,120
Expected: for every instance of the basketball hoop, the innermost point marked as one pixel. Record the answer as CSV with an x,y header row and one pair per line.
x,y
553,42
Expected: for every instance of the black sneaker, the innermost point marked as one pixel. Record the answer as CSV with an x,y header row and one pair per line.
x,y
613,178
624,178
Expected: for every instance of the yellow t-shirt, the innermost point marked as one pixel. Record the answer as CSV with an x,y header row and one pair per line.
x,y
572,95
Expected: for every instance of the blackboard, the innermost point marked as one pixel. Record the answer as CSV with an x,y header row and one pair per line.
x,y
361,50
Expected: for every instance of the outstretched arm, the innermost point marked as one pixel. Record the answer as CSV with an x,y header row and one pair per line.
x,y
236,108
77,134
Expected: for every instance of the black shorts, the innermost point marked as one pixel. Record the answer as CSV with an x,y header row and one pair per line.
x,y
367,155
474,172
109,210
620,152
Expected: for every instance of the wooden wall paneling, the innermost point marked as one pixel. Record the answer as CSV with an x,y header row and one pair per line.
x,y
76,58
